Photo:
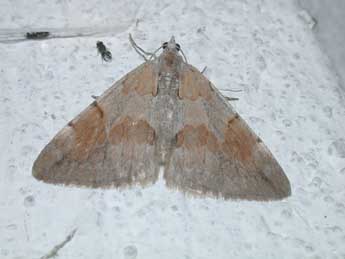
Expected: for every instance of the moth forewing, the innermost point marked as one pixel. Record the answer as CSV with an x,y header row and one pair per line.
x,y
218,154
110,144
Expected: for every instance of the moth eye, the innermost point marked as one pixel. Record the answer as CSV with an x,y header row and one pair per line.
x,y
165,44
178,47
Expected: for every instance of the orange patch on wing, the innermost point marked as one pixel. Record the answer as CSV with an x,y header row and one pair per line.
x,y
194,85
89,131
239,141
129,130
144,82
191,137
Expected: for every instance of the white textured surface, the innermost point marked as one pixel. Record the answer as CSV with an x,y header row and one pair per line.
x,y
290,98
329,30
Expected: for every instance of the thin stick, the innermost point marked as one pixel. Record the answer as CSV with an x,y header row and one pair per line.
x,y
55,250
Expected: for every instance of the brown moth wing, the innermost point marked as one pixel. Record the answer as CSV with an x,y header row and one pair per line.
x,y
216,152
110,143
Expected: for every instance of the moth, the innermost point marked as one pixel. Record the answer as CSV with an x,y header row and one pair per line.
x,y
163,118
105,53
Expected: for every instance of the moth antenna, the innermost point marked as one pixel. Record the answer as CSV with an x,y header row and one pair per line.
x,y
184,56
140,51
154,53
137,48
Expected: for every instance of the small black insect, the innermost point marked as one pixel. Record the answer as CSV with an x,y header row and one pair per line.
x,y
105,53
37,35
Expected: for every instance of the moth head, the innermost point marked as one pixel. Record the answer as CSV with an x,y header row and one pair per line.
x,y
171,45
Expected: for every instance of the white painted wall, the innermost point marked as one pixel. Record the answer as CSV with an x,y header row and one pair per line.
x,y
330,30
290,98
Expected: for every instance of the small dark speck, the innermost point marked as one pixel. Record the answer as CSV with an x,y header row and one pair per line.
x,y
29,201
130,252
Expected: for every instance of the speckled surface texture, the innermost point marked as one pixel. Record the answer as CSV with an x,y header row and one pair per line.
x,y
290,98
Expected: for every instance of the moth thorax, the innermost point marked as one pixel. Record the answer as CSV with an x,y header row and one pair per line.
x,y
168,81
